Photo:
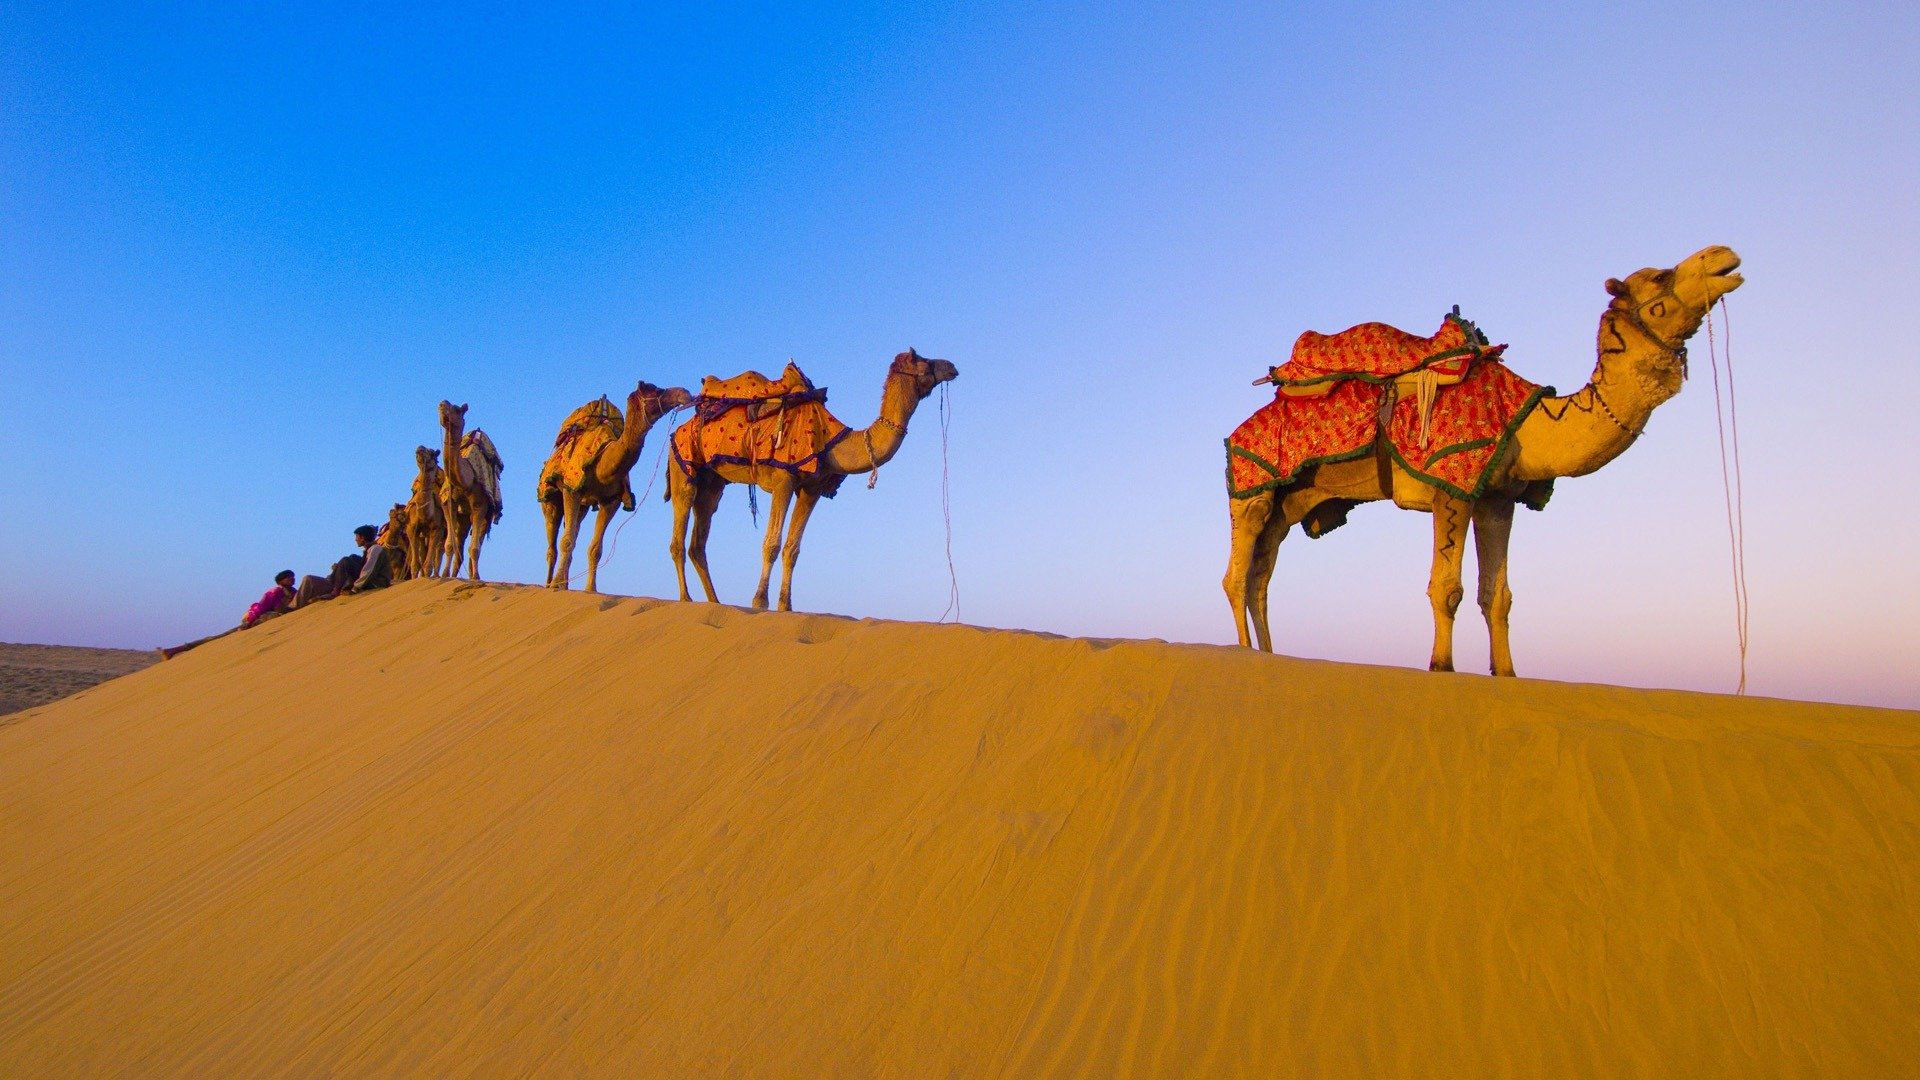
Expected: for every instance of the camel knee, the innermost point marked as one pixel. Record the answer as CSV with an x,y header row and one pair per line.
x,y
1498,604
1446,599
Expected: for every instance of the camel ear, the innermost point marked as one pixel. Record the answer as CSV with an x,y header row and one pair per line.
x,y
1616,287
463,410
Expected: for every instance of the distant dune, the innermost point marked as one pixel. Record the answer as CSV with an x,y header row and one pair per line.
x,y
451,829
37,674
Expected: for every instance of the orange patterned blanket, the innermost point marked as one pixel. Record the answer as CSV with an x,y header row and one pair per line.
x,y
1452,442
788,428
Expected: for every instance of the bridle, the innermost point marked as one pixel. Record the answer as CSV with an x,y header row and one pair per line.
x,y
1677,350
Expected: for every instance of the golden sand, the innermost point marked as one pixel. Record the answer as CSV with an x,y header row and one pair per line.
x,y
448,829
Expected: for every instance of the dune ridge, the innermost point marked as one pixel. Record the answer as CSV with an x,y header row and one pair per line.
x,y
450,829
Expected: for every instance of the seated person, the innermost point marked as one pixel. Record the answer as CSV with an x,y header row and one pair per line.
x,y
376,569
341,579
276,600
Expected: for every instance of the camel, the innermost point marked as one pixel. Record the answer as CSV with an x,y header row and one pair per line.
x,y
1642,363
394,536
426,519
469,490
910,379
589,469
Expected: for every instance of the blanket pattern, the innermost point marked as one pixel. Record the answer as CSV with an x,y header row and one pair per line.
x,y
1376,352
1466,427
585,435
790,430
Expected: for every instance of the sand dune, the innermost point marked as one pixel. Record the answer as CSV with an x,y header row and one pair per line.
x,y
451,830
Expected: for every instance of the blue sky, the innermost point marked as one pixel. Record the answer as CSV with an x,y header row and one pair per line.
x,y
244,252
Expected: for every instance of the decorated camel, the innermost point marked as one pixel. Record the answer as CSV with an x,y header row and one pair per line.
x,y
589,469
469,490
1420,438
426,538
779,437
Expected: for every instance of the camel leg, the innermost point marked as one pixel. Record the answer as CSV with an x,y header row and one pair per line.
x,y
680,491
600,518
569,536
1249,518
1450,517
551,509
482,523
706,499
1265,550
777,504
803,505
456,540
1492,525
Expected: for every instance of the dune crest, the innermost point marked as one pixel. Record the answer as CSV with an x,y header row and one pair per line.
x,y
449,827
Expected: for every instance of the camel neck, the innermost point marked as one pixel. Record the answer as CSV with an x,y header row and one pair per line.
x,y
450,456
865,449
1576,434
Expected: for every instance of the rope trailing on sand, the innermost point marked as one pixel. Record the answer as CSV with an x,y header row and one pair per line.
x,y
1732,490
946,508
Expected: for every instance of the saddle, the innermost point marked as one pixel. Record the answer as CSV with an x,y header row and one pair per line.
x,y
594,414
754,392
1382,354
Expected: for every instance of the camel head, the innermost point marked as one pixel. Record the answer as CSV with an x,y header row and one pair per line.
x,y
397,520
926,374
1667,307
426,458
453,417
657,400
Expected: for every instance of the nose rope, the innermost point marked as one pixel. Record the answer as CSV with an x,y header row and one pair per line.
x,y
946,510
1731,487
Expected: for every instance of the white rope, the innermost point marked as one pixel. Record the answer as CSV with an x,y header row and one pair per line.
x,y
946,509
1732,490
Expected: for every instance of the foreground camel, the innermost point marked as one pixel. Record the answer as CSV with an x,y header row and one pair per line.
x,y
590,469
910,379
469,490
1642,362
426,519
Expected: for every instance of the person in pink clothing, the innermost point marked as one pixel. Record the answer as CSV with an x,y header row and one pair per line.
x,y
277,601
274,602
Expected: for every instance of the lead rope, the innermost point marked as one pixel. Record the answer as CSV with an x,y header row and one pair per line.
x,y
946,509
1732,490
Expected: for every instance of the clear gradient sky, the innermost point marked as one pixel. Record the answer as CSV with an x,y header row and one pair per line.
x,y
244,251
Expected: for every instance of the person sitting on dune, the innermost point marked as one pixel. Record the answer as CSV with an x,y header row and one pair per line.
x,y
352,574
376,572
276,600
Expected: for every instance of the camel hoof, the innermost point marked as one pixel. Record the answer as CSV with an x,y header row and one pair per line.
x,y
1439,665
558,586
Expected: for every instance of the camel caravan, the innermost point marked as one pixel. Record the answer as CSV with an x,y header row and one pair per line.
x,y
774,435
1438,424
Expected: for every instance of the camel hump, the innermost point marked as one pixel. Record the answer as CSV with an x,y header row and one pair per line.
x,y
594,414
1381,351
759,394
753,386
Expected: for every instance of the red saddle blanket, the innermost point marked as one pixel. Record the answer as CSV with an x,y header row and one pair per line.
x,y
1466,427
1377,352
